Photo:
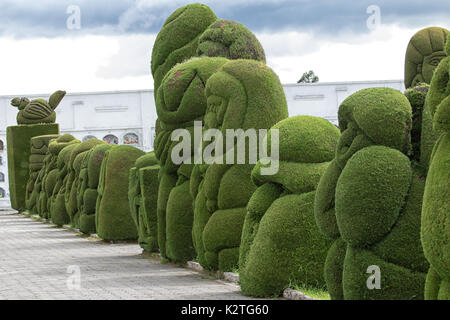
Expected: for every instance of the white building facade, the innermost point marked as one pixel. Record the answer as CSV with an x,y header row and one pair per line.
x,y
128,117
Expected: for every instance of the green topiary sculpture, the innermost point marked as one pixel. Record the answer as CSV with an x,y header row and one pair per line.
x,y
35,118
113,217
280,242
178,39
180,101
435,230
425,50
231,40
369,200
244,94
39,148
143,197
58,212
87,190
74,168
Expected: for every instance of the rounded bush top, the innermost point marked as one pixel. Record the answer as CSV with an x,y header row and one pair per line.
x,y
146,160
82,147
56,145
178,38
368,110
232,40
305,139
425,51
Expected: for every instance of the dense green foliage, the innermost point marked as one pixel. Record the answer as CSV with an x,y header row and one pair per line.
x,y
113,218
425,50
435,231
370,198
19,151
280,242
37,110
244,94
143,197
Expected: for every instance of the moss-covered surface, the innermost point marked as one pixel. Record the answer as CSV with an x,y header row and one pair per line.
x,y
87,194
425,51
178,39
113,217
231,40
435,231
370,199
244,94
19,151
280,242
143,197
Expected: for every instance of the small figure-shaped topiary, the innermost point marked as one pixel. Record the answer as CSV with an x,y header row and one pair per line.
x,y
58,211
425,51
281,243
435,228
231,40
369,200
180,101
244,94
178,39
37,110
87,186
143,197
112,217
74,168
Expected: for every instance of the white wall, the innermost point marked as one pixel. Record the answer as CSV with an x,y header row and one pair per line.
x,y
121,112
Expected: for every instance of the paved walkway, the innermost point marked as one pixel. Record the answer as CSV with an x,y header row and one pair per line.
x,y
40,261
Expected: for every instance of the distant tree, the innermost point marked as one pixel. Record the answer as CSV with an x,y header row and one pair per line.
x,y
308,77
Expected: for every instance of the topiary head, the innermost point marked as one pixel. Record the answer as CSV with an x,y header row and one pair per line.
x,y
425,51
231,40
373,116
20,103
438,98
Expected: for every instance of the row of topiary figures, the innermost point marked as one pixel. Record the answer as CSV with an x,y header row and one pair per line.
x,y
373,193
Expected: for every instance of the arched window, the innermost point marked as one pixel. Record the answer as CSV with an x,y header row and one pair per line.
x,y
2,145
1,160
88,137
2,177
131,138
111,139
2,193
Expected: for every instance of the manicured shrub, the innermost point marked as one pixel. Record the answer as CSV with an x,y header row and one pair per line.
x,y
180,101
435,232
244,94
19,151
39,149
425,50
113,217
280,242
231,40
143,197
74,167
58,212
369,200
87,190
178,39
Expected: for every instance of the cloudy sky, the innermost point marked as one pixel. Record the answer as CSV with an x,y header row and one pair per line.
x,y
341,40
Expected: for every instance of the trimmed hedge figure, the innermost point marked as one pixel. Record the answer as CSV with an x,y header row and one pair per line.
x,y
231,40
58,212
180,101
280,242
178,39
74,167
87,187
244,94
369,200
435,230
425,51
39,149
113,217
143,197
